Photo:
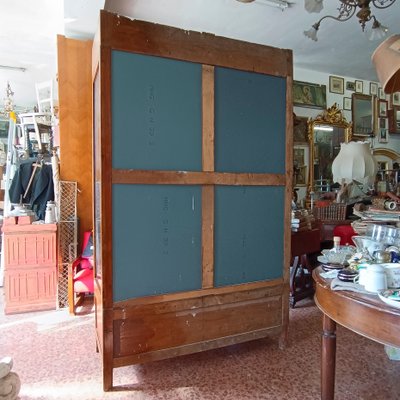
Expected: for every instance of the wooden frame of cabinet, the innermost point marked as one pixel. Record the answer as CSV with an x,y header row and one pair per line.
x,y
152,327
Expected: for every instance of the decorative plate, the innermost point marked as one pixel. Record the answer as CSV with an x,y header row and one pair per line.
x,y
389,297
331,267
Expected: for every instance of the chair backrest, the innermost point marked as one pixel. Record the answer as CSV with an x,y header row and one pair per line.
x,y
44,96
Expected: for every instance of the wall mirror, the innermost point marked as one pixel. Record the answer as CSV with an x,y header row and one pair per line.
x,y
325,134
363,114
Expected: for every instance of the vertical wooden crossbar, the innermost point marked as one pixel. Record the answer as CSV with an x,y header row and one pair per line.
x,y
207,231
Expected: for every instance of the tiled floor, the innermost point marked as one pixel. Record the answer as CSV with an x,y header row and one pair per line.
x,y
54,355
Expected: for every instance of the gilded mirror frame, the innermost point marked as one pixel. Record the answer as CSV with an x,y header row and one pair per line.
x,y
332,116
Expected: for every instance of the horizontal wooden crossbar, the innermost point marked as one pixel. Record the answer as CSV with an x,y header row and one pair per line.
x,y
123,176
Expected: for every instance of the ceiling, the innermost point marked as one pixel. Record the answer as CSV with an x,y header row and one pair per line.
x,y
28,30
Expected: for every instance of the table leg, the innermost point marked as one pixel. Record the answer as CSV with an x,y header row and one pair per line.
x,y
328,356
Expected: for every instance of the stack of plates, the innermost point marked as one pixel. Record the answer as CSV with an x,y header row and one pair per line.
x,y
329,266
347,275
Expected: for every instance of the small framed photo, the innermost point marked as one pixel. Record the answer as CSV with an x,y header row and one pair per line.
x,y
382,108
336,84
300,157
373,89
351,86
383,165
381,94
346,103
396,99
359,86
300,130
383,135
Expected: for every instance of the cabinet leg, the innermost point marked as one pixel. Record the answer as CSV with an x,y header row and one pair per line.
x,y
107,378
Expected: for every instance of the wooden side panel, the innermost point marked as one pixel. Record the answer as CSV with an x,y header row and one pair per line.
x,y
75,102
288,201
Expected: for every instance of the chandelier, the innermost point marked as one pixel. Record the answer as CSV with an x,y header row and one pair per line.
x,y
346,10
8,101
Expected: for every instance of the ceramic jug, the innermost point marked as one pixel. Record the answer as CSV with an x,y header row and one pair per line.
x,y
50,216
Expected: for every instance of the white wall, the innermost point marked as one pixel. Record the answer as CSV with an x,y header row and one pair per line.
x,y
331,98
23,85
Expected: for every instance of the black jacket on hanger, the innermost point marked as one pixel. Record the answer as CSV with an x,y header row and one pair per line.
x,y
40,191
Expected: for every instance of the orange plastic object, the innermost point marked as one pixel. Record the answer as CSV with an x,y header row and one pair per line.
x,y
30,267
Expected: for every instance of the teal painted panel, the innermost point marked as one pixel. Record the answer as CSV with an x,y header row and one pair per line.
x,y
156,113
156,240
250,122
249,227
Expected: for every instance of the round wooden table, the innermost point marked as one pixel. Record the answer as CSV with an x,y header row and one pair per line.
x,y
357,312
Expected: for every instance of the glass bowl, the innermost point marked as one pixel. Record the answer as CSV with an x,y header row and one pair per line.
x,y
388,234
340,255
366,244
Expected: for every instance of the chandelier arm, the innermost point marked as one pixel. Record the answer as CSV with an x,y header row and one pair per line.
x,y
339,18
347,9
383,3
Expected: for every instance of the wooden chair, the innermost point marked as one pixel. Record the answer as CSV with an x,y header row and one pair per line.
x,y
80,274
304,244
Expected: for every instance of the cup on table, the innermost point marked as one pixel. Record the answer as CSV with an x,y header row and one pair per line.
x,y
361,277
392,271
375,278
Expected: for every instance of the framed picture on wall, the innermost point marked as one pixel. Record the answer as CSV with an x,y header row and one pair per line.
x,y
306,94
346,103
350,86
300,130
383,130
383,165
336,84
383,135
396,99
382,108
359,86
373,89
300,160
381,94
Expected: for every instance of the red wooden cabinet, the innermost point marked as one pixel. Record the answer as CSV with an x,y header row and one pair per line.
x,y
30,267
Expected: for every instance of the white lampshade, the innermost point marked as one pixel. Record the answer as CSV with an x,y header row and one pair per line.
x,y
354,162
386,59
313,6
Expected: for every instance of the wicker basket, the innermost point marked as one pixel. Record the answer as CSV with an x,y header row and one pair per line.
x,y
334,211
